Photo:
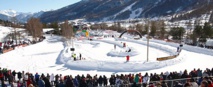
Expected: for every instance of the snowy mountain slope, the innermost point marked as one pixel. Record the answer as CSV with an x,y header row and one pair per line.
x,y
107,10
20,16
10,13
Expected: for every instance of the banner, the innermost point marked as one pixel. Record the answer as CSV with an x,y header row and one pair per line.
x,y
87,34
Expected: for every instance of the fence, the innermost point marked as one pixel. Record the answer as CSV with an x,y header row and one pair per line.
x,y
170,83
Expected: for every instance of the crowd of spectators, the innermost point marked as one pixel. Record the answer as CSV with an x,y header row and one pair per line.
x,y
194,78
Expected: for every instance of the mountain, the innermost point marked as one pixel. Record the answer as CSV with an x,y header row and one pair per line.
x,y
20,16
103,10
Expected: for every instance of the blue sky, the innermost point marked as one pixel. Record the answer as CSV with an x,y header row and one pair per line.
x,y
34,5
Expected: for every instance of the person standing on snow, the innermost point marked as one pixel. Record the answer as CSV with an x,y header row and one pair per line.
x,y
52,79
146,79
80,56
114,47
41,82
118,81
37,78
100,81
1,51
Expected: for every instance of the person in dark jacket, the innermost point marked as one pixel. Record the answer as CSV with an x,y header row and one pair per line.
x,y
105,80
69,82
1,50
19,75
178,84
56,79
41,83
61,84
112,80
37,78
14,74
83,82
100,80
75,81
47,82
134,85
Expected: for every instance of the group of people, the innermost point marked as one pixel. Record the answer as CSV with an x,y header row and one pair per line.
x,y
75,58
26,79
10,44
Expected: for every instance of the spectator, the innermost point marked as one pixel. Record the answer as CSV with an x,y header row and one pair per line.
x,y
41,82
76,82
164,84
204,83
188,85
52,79
193,83
210,84
118,81
31,85
37,78
19,76
46,81
100,81
105,80
69,82
145,80
134,84
112,80
61,84
158,84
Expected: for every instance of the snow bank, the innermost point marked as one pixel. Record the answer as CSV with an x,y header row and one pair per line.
x,y
123,53
121,66
186,47
171,51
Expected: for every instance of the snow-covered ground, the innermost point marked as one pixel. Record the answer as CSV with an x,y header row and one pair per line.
x,y
54,56
4,31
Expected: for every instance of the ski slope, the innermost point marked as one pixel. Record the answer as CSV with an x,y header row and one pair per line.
x,y
54,56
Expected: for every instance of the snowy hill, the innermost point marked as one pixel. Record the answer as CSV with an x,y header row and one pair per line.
x,y
20,16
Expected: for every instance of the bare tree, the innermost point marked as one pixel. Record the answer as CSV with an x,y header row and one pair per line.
x,y
14,24
67,30
34,27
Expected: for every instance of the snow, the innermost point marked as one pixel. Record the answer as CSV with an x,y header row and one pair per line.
x,y
3,32
20,16
54,56
125,9
10,12
136,13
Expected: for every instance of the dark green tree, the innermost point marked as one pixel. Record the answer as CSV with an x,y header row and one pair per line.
x,y
55,26
207,30
177,33
153,29
162,31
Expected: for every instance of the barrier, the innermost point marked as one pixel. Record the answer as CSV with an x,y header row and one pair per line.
x,y
10,49
166,58
24,45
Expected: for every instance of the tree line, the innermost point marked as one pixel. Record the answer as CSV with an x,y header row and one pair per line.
x,y
156,29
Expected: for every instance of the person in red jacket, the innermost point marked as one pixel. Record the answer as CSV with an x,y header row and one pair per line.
x,y
2,78
29,81
210,84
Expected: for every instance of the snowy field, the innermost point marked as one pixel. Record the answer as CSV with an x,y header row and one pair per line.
x,y
54,56
4,31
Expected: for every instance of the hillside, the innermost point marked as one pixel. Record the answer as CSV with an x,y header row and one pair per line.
x,y
104,10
